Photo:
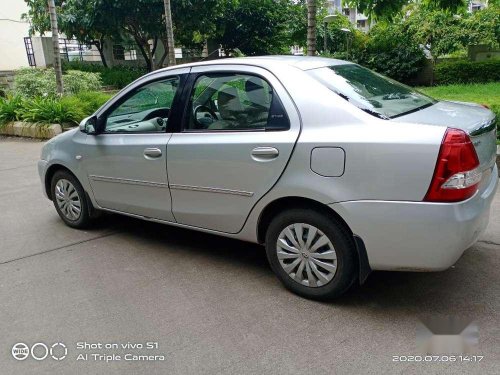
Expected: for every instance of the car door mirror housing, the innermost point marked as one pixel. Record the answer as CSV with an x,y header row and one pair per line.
x,y
92,125
88,125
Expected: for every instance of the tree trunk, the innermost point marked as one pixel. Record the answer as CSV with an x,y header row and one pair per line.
x,y
55,45
311,27
165,53
144,53
170,33
100,47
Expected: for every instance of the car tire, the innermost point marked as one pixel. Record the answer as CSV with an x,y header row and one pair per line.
x,y
328,271
70,200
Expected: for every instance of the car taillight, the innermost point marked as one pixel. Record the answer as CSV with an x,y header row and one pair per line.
x,y
457,173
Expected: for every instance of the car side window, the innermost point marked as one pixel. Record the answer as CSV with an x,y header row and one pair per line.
x,y
146,111
233,102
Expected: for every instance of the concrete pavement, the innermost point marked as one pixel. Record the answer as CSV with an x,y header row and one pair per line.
x,y
209,304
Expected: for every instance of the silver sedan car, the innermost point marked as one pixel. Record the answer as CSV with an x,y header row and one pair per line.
x,y
336,169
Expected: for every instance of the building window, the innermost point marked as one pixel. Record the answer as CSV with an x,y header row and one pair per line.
x,y
29,51
124,52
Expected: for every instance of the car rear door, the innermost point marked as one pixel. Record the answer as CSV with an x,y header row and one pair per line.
x,y
239,130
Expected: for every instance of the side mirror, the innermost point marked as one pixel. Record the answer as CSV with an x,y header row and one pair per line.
x,y
90,125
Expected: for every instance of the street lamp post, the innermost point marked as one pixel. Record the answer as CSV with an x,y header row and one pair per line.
x,y
347,32
326,21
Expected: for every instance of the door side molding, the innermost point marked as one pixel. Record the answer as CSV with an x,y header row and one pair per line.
x,y
127,181
211,190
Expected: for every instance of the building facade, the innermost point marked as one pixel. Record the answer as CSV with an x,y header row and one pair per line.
x,y
358,20
12,32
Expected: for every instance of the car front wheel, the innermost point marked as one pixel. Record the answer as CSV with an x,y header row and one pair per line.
x,y
312,254
70,200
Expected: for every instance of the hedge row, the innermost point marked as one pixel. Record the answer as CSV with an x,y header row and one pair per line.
x,y
464,71
118,76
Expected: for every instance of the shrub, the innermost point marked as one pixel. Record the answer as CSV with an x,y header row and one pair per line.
x,y
69,109
31,82
9,108
47,110
118,76
86,103
464,71
76,81
391,52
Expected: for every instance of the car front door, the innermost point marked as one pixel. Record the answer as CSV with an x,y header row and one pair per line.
x,y
238,133
126,162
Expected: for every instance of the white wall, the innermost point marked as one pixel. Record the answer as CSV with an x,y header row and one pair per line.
x,y
12,32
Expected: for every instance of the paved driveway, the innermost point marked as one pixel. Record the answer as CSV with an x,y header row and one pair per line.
x,y
208,304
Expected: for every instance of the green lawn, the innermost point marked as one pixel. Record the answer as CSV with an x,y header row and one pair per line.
x,y
486,93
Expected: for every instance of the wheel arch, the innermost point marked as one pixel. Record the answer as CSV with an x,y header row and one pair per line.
x,y
285,203
50,173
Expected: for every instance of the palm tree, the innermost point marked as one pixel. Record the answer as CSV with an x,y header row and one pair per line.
x,y
55,45
170,33
311,27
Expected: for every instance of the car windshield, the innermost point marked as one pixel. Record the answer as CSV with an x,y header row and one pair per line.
x,y
370,91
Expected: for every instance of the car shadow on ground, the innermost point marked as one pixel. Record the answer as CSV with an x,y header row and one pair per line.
x,y
415,292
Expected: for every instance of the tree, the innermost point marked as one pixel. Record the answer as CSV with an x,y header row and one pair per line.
x,y
311,27
482,27
437,31
141,21
85,20
381,9
391,51
55,45
451,5
255,27
88,22
388,9
170,33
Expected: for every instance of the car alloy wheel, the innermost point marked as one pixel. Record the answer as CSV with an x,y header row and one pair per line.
x,y
306,254
68,200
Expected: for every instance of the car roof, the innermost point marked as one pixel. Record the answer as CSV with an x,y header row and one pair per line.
x,y
300,62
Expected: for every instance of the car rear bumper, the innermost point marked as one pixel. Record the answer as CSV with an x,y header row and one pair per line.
x,y
42,169
419,236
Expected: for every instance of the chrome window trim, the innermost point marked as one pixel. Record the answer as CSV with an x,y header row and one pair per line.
x,y
144,80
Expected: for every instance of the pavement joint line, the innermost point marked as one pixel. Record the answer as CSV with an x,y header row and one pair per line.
x,y
60,247
489,242
14,168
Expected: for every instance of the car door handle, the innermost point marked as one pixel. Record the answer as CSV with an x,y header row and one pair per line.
x,y
152,153
264,153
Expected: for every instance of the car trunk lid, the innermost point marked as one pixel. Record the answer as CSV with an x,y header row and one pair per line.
x,y
477,121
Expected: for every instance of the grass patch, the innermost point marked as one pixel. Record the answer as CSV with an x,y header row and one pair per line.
x,y
482,93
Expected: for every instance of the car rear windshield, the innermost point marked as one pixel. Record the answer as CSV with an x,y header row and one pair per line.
x,y
370,91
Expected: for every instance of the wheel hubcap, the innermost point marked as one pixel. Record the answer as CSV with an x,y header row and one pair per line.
x,y
306,255
68,200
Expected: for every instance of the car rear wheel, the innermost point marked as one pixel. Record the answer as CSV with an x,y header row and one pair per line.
x,y
312,254
70,200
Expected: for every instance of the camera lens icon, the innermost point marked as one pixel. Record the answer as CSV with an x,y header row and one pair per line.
x,y
20,351
39,351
